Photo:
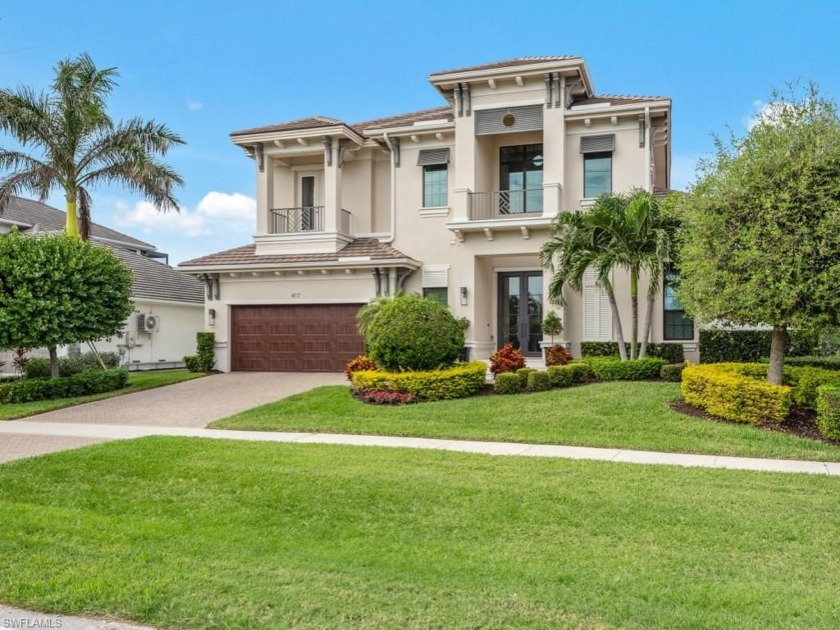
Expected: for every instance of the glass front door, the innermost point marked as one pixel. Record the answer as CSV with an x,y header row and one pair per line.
x,y
520,310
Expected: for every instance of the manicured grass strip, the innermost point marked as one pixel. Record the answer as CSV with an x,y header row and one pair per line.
x,y
191,533
137,381
610,415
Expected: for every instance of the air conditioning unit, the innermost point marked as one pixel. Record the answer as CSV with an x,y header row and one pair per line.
x,y
149,323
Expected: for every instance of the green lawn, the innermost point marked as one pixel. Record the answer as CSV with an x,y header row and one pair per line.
x,y
618,414
137,381
191,533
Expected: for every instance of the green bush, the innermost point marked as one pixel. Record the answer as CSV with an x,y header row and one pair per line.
x,y
570,374
82,384
465,379
671,352
38,367
538,382
612,369
206,351
827,363
828,411
732,391
523,373
412,333
672,372
506,383
749,346
191,363
806,381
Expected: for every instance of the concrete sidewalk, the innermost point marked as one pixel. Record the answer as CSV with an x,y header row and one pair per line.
x,y
119,432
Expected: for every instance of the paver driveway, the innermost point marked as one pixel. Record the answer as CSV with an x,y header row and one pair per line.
x,y
192,403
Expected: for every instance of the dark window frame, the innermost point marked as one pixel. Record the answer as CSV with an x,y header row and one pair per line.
x,y
429,293
675,324
435,168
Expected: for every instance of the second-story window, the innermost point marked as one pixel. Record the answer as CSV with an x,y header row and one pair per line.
x,y
597,164
435,163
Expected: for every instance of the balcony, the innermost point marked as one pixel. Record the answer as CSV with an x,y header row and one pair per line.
x,y
303,220
505,204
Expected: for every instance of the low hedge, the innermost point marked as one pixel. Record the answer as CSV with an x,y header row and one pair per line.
x,y
83,384
523,373
733,392
672,372
465,379
671,352
569,374
538,382
192,363
828,411
39,367
506,383
803,381
746,346
826,363
612,369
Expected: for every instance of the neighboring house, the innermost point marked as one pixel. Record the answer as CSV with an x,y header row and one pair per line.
x,y
452,203
174,299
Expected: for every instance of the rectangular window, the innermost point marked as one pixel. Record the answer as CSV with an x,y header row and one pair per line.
x,y
676,326
520,179
435,185
439,294
597,174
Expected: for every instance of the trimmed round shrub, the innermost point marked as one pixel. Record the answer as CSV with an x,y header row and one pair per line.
x,y
828,411
523,373
506,383
412,333
570,374
557,355
672,372
538,382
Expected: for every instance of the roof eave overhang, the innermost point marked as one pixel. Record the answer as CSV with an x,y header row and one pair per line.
x,y
661,106
340,131
361,263
444,81
409,130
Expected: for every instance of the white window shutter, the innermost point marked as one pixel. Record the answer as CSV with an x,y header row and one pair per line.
x,y
435,276
597,315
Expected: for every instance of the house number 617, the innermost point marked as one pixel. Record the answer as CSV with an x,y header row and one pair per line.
x,y
295,295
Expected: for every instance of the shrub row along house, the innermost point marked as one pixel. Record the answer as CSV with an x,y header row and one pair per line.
x,y
453,203
167,302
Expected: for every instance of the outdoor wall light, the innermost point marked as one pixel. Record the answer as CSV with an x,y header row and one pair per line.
x,y
463,296
212,314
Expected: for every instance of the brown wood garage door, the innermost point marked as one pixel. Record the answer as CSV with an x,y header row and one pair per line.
x,y
297,338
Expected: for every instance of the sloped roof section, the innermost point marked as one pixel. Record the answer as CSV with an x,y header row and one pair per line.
x,y
156,281
402,120
34,213
311,122
516,61
246,255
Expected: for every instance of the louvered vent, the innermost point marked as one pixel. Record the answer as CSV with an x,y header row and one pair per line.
x,y
597,144
435,276
428,157
509,119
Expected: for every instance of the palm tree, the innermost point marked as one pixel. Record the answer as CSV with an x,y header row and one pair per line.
x,y
620,231
580,241
77,146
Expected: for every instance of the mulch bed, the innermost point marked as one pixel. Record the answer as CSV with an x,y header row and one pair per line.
x,y
801,422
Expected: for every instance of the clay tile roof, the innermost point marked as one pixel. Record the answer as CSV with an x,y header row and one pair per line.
x,y
516,61
312,122
361,247
402,120
155,281
619,99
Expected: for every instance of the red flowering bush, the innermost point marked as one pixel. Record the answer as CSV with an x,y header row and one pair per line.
x,y
358,364
508,359
383,397
557,355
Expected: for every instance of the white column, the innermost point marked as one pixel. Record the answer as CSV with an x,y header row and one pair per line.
x,y
554,155
332,190
265,194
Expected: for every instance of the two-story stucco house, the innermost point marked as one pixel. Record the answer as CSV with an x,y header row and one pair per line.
x,y
452,203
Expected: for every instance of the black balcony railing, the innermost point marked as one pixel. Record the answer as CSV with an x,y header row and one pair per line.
x,y
505,204
295,220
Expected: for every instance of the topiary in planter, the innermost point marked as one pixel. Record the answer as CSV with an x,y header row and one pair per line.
x,y
412,333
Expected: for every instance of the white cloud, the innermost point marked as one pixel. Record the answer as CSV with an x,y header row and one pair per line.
x,y
194,106
217,213
764,112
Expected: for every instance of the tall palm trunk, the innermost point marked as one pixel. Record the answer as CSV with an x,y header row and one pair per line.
x,y
775,372
619,333
651,299
634,308
72,220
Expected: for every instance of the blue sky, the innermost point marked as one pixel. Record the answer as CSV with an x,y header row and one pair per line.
x,y
207,68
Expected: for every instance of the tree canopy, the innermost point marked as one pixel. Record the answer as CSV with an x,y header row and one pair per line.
x,y
57,290
69,142
760,237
